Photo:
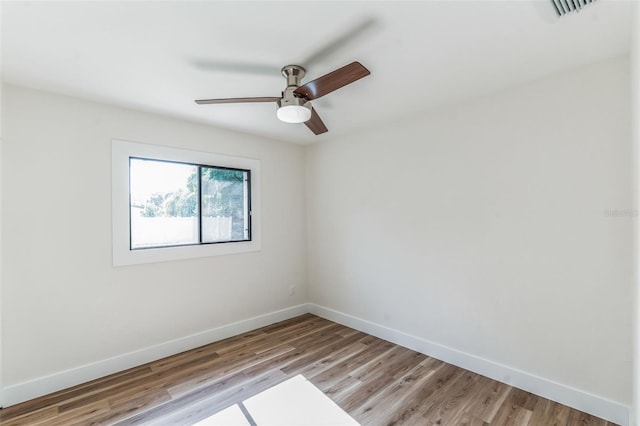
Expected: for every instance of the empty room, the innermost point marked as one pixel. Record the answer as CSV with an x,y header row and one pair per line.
x,y
319,212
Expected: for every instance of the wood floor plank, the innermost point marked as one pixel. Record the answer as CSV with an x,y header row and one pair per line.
x,y
487,400
395,358
36,417
450,407
221,370
330,360
559,415
381,404
344,386
470,420
312,330
523,399
414,404
357,359
80,415
512,415
90,388
317,352
578,418
429,412
375,381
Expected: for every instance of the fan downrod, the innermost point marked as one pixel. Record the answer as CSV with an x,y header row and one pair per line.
x,y
293,74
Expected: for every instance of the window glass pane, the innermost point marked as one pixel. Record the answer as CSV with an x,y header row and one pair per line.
x,y
225,205
163,203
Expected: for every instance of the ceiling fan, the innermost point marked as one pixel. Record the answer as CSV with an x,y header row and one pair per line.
x,y
294,106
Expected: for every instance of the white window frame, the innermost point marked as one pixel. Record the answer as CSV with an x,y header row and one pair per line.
x,y
121,151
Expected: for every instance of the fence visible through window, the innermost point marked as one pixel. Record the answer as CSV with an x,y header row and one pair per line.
x,y
173,204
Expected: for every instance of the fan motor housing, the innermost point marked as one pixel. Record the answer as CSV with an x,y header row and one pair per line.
x,y
293,74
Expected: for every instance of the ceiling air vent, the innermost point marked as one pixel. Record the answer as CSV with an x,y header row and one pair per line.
x,y
563,7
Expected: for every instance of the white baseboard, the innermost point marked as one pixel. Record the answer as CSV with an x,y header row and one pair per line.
x,y
64,379
580,400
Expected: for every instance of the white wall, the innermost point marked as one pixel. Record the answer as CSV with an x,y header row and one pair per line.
x,y
63,304
1,133
481,227
635,117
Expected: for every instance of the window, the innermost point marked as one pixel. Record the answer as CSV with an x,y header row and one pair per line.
x,y
171,204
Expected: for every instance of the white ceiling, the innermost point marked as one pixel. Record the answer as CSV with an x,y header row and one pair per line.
x,y
422,54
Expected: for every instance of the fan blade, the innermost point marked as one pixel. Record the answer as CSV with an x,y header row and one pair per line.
x,y
332,81
315,123
339,42
234,100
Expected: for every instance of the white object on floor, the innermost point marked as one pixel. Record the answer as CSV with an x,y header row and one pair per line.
x,y
296,402
231,416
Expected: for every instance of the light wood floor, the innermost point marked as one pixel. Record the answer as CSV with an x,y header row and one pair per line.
x,y
376,382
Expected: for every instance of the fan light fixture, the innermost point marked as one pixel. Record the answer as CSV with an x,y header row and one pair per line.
x,y
294,113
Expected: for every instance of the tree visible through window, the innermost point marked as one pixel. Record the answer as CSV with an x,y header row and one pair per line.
x,y
175,204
